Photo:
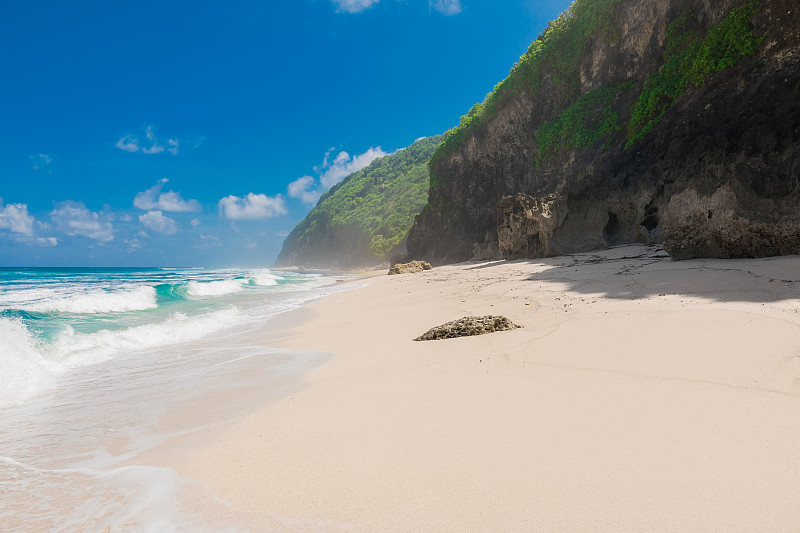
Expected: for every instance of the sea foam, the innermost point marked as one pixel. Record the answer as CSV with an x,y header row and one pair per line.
x,y
215,288
25,370
260,278
264,278
31,366
98,301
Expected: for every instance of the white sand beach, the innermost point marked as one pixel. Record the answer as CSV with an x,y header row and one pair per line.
x,y
640,394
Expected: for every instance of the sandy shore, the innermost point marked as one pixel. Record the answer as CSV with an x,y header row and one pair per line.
x,y
641,394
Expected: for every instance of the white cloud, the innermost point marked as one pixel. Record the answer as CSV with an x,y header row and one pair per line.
x,y
252,206
18,224
305,189
16,219
155,149
153,198
446,7
133,245
125,218
173,146
330,172
150,143
128,143
156,221
45,241
344,165
74,219
353,6
41,162
195,222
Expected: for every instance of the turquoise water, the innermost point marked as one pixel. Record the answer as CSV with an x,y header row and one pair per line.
x,y
53,319
99,366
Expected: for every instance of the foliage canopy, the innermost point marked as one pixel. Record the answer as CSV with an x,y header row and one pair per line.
x,y
381,199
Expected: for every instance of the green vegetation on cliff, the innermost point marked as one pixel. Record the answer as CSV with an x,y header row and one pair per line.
x,y
585,122
558,47
371,209
691,54
689,58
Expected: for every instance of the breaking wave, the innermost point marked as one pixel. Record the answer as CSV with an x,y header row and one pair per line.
x,y
30,365
215,288
98,301
260,278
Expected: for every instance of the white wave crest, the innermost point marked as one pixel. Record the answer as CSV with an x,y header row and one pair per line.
x,y
215,288
264,278
82,348
98,301
25,370
29,368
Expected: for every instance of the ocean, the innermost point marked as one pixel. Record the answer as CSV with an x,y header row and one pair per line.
x,y
100,366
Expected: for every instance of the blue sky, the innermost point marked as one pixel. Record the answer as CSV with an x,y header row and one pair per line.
x,y
199,133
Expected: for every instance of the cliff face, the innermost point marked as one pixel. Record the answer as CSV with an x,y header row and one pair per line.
x,y
363,220
674,121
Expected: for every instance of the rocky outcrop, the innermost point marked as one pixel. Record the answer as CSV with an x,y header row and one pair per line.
x,y
729,144
487,251
525,225
467,327
409,268
722,225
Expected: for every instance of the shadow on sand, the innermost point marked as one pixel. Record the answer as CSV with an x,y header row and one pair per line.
x,y
635,271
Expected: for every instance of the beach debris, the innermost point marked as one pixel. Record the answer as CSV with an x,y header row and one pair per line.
x,y
410,268
467,327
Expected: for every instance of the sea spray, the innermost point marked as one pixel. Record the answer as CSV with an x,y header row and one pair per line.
x,y
264,278
78,349
31,364
216,288
25,370
98,301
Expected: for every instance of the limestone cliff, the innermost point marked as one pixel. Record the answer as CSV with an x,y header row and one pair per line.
x,y
652,121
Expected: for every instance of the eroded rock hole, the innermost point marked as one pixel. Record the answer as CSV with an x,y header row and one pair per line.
x,y
611,231
650,223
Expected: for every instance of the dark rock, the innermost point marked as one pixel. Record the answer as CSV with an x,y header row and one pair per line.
x,y
525,225
488,251
723,225
730,147
467,327
409,268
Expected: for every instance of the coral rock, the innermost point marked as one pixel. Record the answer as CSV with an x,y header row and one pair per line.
x,y
410,268
467,327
